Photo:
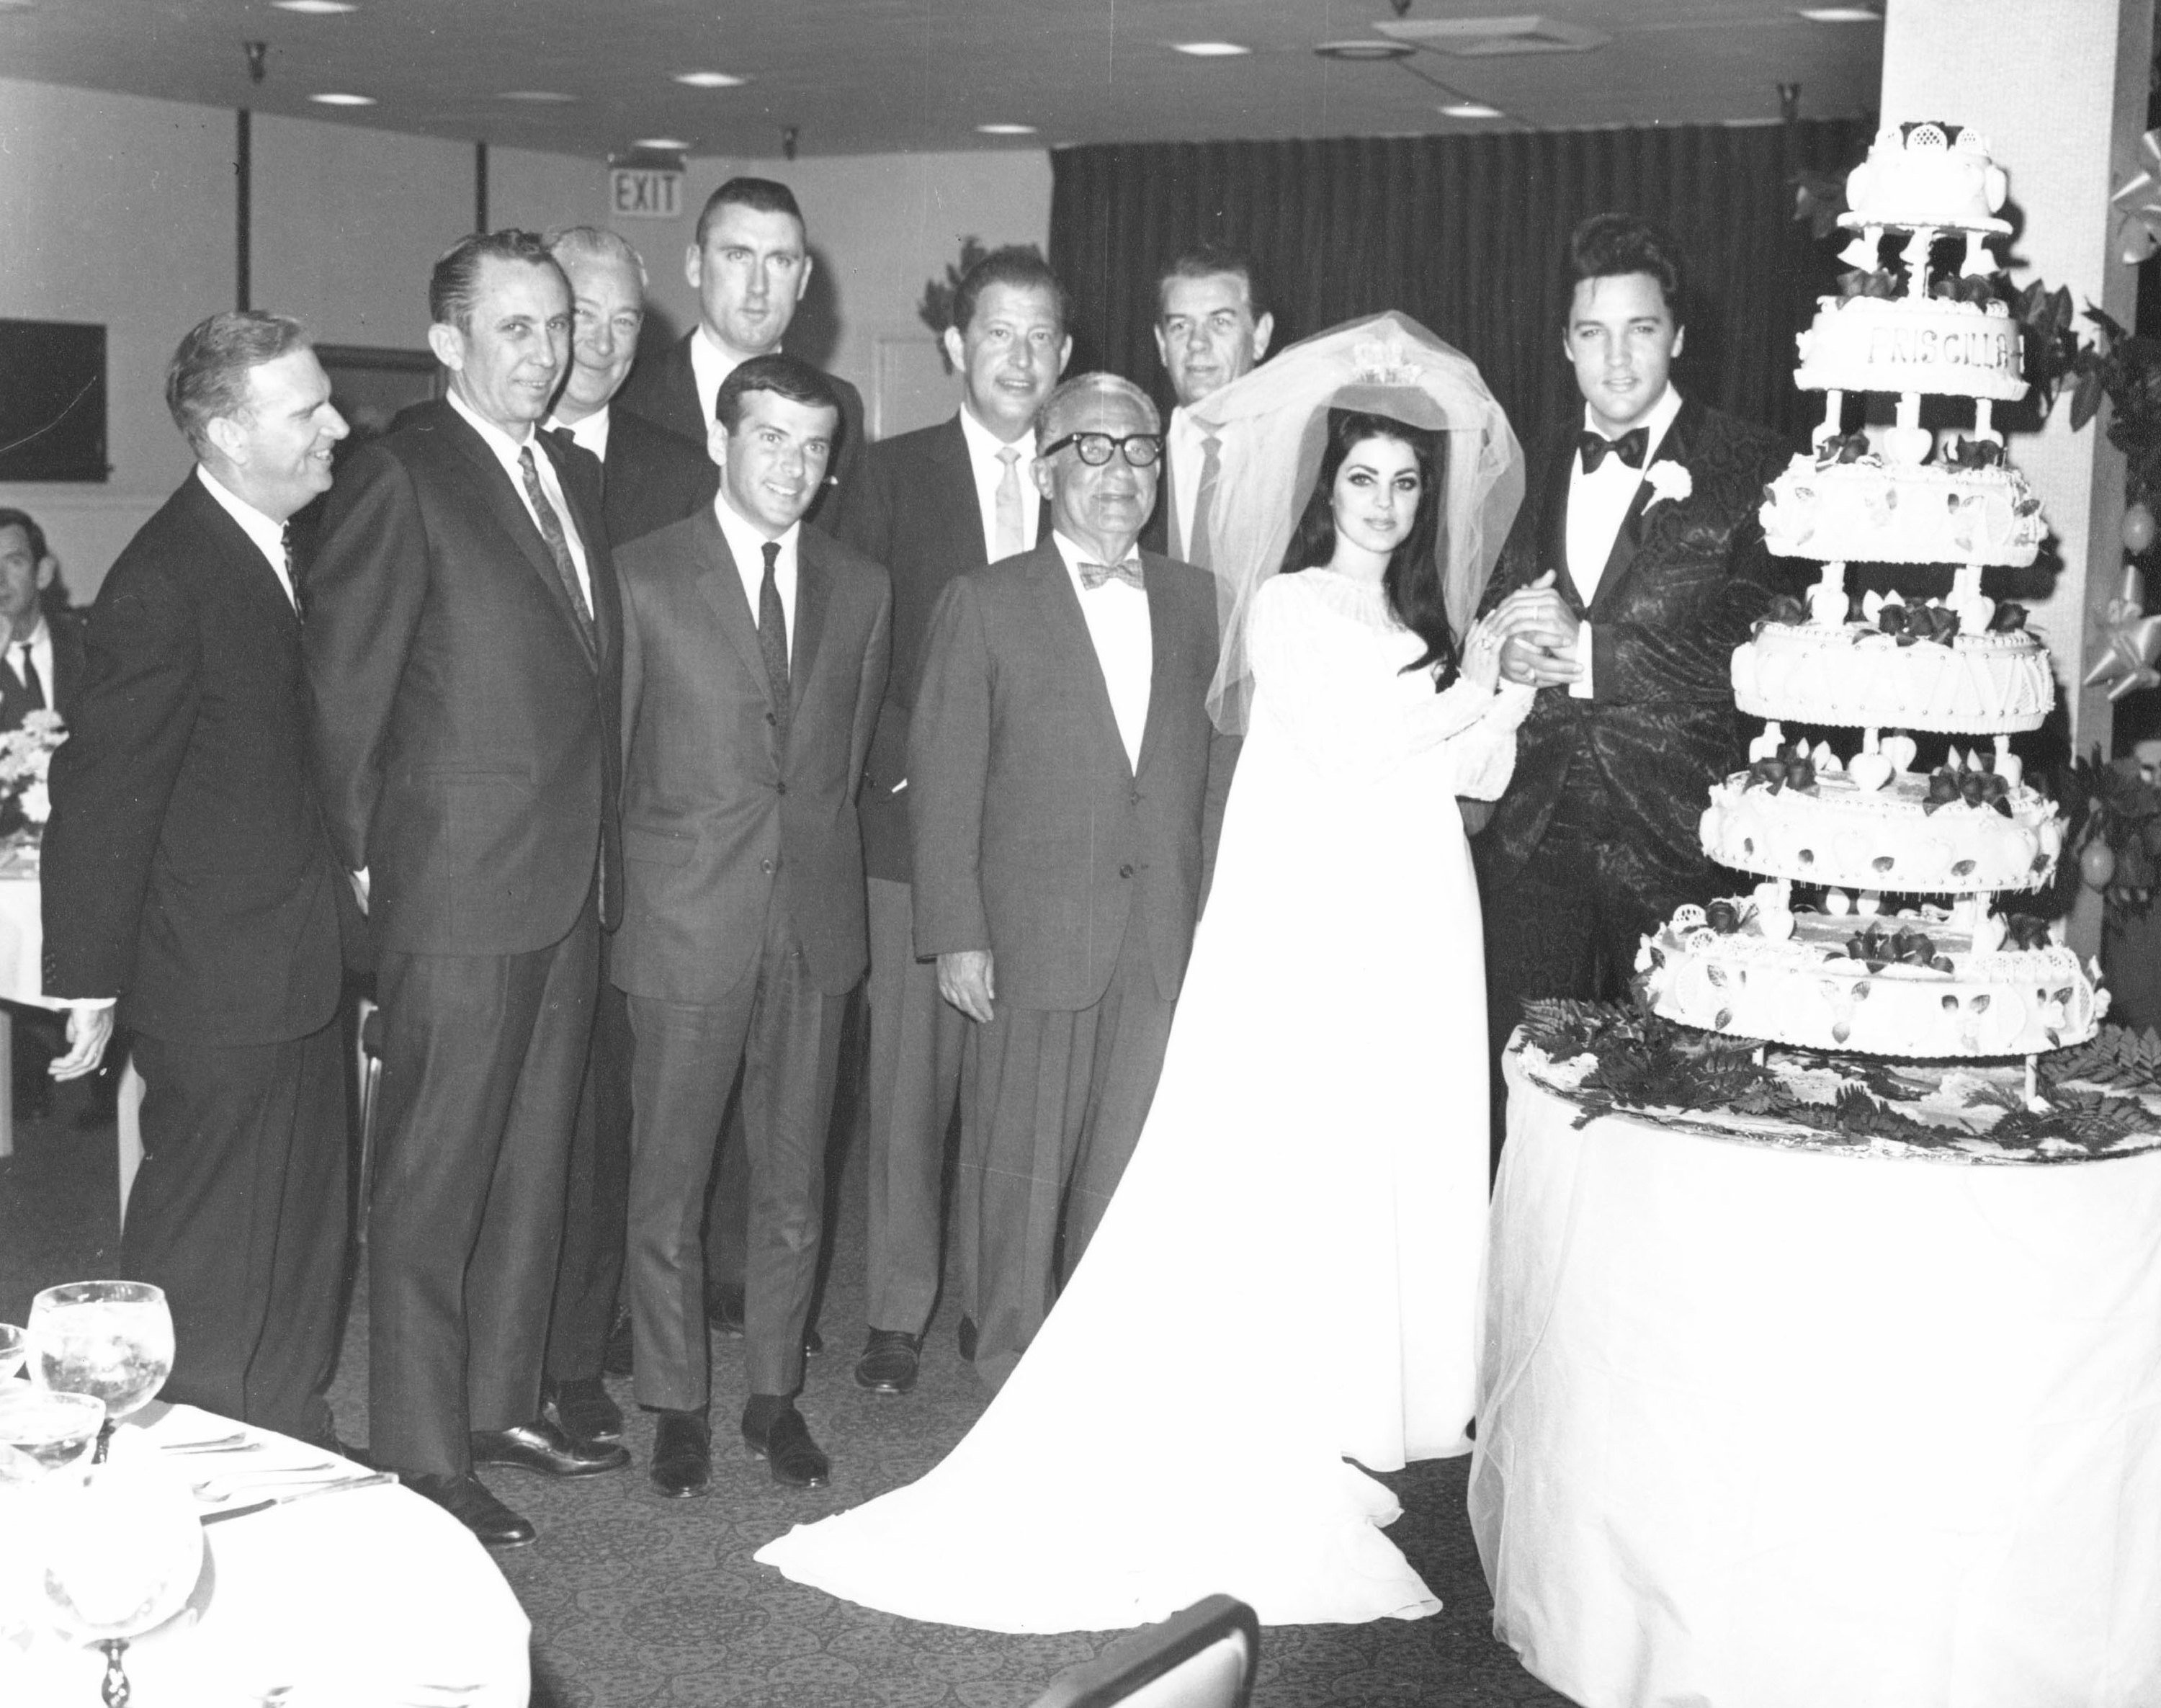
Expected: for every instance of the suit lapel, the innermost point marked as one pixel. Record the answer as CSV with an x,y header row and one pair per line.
x,y
1628,539
258,579
1160,620
491,481
1065,623
814,589
720,580
1553,523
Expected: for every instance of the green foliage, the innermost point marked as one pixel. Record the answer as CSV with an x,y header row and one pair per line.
x,y
936,309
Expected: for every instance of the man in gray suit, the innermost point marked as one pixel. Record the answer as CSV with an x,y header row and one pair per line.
x,y
1066,788
754,659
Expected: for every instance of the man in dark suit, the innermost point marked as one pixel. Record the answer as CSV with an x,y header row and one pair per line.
x,y
648,479
1212,325
935,504
43,650
464,655
750,263
1634,571
754,662
1066,787
186,873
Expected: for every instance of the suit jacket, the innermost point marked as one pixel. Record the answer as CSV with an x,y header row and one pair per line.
x,y
917,511
1156,534
465,733
185,866
1034,836
650,478
724,820
65,628
1684,583
663,388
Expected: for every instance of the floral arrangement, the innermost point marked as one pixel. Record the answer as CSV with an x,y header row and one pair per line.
x,y
26,753
2116,808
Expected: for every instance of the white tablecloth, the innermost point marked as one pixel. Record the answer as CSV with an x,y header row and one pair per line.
x,y
354,1600
1760,1428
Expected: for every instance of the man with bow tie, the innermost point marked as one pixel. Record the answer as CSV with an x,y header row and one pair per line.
x,y
1065,791
1634,571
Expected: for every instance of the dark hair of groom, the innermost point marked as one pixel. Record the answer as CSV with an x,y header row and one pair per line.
x,y
1614,245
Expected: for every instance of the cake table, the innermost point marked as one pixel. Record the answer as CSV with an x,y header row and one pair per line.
x,y
1764,1427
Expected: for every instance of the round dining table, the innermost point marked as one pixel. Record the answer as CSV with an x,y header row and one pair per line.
x,y
1765,1426
363,1596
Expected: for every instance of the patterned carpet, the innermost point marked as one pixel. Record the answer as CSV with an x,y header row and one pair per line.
x,y
637,1601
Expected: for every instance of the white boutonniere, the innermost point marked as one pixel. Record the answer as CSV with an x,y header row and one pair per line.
x,y
1669,480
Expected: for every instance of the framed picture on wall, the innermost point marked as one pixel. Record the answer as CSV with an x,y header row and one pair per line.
x,y
370,386
52,401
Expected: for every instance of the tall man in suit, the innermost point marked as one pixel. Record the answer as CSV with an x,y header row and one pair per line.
x,y
465,656
1065,790
187,874
1212,325
648,479
750,263
1634,571
755,652
935,504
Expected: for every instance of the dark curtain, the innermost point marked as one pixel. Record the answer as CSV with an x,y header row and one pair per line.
x,y
1465,234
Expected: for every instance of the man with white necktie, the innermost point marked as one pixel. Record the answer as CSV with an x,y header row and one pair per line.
x,y
1065,789
43,650
186,873
1212,326
934,504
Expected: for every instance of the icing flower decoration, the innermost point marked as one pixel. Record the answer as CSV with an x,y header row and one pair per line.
x,y
1384,361
1669,481
1966,452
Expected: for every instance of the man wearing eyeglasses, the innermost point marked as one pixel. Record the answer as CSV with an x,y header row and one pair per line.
x,y
1066,788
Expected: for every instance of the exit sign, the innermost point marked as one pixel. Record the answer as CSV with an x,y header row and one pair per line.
x,y
645,192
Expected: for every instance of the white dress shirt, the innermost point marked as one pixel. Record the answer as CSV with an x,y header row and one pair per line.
x,y
590,433
268,535
1125,644
747,545
983,462
1597,505
709,365
506,450
1184,455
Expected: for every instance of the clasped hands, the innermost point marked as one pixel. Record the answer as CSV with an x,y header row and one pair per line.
x,y
1539,635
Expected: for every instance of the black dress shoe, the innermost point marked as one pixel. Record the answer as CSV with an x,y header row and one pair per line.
x,y
783,1442
466,1499
889,1361
581,1408
682,1455
966,1336
616,1361
724,1308
540,1446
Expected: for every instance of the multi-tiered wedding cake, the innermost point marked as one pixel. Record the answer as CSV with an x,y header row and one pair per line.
x,y
1850,943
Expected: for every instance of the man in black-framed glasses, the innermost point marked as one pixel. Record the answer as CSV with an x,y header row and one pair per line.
x,y
1141,450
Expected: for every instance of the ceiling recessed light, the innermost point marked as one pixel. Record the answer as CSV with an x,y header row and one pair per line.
x,y
1468,109
1840,14
314,8
540,96
1365,49
672,145
1007,130
1211,50
334,98
710,80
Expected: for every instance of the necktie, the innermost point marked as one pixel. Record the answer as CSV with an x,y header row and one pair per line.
x,y
1012,529
292,580
773,635
1093,576
559,548
18,655
1203,501
1629,447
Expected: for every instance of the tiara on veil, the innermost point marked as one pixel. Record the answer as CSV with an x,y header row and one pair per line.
x,y
1272,426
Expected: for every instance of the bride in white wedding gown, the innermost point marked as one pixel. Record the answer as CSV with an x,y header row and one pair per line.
x,y
1286,1280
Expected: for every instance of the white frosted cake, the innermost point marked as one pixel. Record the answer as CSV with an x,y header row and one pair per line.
x,y
1814,957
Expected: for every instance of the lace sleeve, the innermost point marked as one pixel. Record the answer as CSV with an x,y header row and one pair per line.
x,y
1325,678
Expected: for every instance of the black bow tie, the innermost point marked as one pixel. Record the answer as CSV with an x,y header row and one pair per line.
x,y
1629,447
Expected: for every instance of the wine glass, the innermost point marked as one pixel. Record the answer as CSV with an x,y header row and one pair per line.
x,y
110,1339
11,1350
55,1429
121,1551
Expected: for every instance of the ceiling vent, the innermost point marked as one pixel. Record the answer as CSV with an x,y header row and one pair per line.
x,y
1491,38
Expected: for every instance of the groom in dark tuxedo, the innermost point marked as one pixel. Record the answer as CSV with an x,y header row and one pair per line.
x,y
1065,791
1634,571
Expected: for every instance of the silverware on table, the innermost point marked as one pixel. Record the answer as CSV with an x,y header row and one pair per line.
x,y
286,1497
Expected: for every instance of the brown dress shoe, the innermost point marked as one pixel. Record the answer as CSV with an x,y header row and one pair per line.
x,y
466,1499
783,1439
540,1446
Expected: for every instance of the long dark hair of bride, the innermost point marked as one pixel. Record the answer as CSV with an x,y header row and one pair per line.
x,y
1412,581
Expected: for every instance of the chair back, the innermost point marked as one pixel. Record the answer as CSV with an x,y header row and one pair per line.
x,y
1202,1657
